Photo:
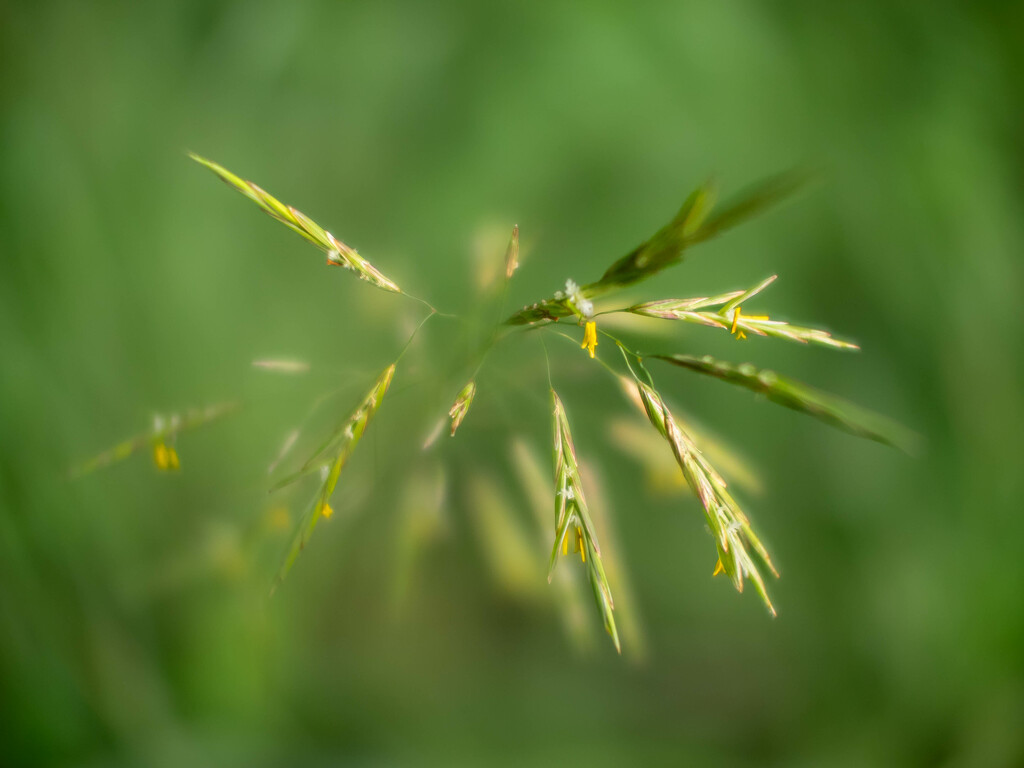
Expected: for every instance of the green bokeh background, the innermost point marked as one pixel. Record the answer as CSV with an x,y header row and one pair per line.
x,y
134,627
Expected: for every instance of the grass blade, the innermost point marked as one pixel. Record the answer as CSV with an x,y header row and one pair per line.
x,y
830,409
663,249
757,199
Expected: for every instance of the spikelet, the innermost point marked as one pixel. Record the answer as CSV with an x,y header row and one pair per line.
x,y
512,254
461,406
338,253
330,459
739,549
574,530
570,602
729,316
160,439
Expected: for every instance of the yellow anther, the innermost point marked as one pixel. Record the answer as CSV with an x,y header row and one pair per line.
x,y
160,456
165,457
719,568
589,337
565,545
326,510
735,323
740,334
579,542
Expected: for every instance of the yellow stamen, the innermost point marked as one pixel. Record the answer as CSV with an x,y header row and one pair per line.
x,y
165,457
579,541
719,568
326,510
735,323
589,337
160,456
565,545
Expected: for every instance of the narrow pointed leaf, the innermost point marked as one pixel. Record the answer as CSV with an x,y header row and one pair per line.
x,y
754,201
663,249
793,394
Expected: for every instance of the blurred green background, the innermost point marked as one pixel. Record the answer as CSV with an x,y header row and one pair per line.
x,y
134,624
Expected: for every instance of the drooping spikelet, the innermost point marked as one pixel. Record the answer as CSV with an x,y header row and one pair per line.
x,y
738,545
574,530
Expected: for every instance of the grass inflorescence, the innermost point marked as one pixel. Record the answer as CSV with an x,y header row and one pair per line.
x,y
741,556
